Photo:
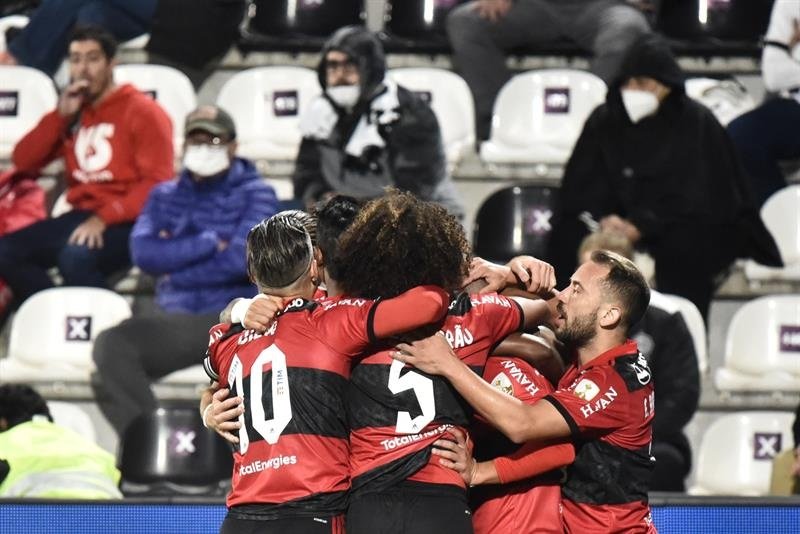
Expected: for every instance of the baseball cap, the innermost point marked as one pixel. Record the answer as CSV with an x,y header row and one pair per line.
x,y
211,119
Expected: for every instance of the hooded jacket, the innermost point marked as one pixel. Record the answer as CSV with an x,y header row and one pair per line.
x,y
675,175
178,236
412,158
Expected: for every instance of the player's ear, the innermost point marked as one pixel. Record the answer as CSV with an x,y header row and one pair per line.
x,y
610,316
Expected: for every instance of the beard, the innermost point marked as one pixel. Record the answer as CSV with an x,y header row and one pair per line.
x,y
579,332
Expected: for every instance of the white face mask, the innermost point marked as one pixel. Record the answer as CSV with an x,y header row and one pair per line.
x,y
206,160
345,96
639,104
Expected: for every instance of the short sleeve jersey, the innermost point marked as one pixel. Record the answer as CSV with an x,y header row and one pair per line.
x,y
397,412
608,405
293,454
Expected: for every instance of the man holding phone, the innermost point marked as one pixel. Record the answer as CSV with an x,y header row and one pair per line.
x,y
116,143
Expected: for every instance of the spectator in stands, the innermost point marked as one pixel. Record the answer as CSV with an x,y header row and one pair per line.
x,y
191,235
657,167
40,459
481,32
116,143
770,133
664,340
42,44
365,133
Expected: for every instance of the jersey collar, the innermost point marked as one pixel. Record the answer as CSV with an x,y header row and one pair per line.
x,y
629,347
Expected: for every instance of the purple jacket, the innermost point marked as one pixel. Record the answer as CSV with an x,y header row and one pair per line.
x,y
184,224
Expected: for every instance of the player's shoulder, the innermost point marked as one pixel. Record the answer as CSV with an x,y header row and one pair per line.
x,y
633,371
515,377
463,303
340,304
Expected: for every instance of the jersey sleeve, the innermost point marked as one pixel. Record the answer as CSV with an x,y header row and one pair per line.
x,y
218,351
516,377
501,314
596,404
342,324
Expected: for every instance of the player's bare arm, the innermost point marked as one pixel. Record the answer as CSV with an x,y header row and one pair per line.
x,y
540,350
522,272
518,421
256,313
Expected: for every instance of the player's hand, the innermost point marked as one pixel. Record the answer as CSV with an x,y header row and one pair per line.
x,y
71,100
89,233
493,10
431,355
455,452
537,276
262,312
495,276
223,417
617,225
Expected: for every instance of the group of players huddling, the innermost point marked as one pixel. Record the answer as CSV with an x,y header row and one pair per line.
x,y
351,386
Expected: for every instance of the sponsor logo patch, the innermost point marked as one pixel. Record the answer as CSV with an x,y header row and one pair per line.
x,y
502,383
586,390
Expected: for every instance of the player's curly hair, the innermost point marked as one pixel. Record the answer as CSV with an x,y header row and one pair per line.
x,y
20,402
398,242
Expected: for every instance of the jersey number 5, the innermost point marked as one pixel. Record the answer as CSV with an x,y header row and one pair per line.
x,y
270,429
423,389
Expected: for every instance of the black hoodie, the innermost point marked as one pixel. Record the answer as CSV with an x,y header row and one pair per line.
x,y
674,175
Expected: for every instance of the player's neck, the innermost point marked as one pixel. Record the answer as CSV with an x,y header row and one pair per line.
x,y
602,343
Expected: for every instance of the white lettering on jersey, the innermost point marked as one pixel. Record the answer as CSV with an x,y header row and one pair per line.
x,y
270,463
327,305
93,152
520,376
600,404
477,300
459,337
402,441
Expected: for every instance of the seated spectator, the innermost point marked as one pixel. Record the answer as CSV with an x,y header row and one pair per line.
x,y
770,133
365,133
42,44
664,340
481,32
191,236
40,459
658,167
116,143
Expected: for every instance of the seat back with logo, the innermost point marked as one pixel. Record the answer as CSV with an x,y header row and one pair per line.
x,y
308,17
171,446
762,348
168,86
265,103
451,101
736,452
727,99
26,94
514,221
539,115
53,331
781,215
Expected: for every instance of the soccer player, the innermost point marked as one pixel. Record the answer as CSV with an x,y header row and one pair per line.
x,y
604,401
291,469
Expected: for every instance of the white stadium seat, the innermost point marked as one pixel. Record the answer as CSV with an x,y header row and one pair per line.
x,y
6,23
781,215
736,453
539,115
451,101
26,94
762,349
694,322
53,331
70,415
266,103
727,99
168,86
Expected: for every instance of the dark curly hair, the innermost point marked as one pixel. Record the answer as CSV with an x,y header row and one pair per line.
x,y
20,402
398,242
334,217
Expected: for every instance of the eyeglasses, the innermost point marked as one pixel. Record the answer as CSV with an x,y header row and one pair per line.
x,y
348,66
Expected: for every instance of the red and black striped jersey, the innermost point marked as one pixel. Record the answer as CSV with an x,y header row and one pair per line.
x,y
608,405
293,454
527,506
397,412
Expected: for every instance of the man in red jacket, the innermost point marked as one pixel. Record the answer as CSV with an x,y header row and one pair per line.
x,y
116,143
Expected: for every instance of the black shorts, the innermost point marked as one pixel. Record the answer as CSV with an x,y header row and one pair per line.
x,y
411,507
290,525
